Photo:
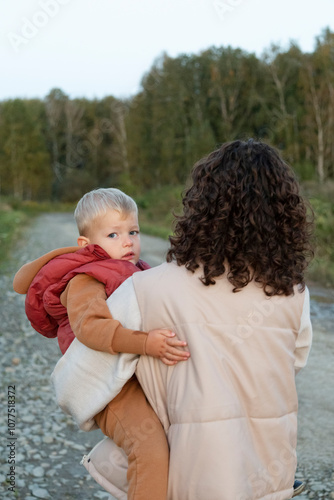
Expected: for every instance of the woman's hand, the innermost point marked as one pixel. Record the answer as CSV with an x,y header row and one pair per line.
x,y
164,345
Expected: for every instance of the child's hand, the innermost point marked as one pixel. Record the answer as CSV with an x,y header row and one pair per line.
x,y
165,345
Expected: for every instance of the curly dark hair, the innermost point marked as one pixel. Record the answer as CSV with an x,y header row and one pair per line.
x,y
244,215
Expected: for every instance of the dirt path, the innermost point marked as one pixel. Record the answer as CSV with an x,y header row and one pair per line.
x,y
315,385
48,447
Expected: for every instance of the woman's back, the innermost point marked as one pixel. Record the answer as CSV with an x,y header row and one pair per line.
x,y
232,408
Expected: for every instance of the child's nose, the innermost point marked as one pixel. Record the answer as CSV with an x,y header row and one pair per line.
x,y
127,241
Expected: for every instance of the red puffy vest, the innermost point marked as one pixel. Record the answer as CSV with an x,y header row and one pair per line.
x,y
43,307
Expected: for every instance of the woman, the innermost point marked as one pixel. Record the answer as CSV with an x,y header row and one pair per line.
x,y
233,288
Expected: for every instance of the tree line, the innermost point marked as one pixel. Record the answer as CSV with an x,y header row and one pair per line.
x,y
59,147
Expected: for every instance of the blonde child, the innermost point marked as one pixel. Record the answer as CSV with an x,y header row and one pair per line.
x,y
66,296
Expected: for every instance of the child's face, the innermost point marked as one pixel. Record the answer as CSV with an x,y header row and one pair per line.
x,y
117,234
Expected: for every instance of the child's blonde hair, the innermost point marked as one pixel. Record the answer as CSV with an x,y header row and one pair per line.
x,y
97,202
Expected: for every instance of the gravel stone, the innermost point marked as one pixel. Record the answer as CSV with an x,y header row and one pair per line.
x,y
38,472
48,439
40,493
48,444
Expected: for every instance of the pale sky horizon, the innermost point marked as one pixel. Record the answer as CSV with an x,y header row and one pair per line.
x,y
93,49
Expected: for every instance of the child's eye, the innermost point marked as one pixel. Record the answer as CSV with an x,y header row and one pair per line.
x,y
112,235
133,233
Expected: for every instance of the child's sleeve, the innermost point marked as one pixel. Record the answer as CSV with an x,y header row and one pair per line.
x,y
91,321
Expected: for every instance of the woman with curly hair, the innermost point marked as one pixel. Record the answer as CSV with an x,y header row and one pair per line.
x,y
233,288
244,216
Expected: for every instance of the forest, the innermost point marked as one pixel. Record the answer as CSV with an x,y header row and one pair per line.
x,y
57,148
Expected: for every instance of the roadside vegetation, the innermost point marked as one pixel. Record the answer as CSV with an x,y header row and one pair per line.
x,y
11,221
15,216
321,198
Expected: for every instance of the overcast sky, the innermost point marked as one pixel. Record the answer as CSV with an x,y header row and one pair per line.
x,y
94,48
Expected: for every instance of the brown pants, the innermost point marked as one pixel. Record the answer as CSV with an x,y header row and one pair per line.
x,y
132,424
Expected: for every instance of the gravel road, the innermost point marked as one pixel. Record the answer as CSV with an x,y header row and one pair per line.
x,y
41,447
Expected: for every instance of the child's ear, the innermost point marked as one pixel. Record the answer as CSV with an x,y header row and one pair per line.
x,y
83,241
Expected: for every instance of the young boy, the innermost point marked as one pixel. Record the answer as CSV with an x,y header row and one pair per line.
x,y
67,290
